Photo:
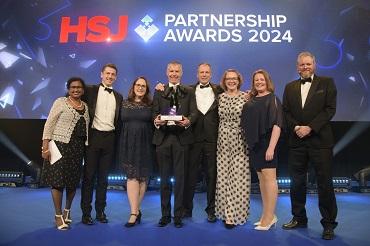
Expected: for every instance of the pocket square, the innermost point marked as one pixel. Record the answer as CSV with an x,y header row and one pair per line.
x,y
319,91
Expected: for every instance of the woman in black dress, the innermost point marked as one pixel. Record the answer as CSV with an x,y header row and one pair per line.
x,y
262,120
66,126
136,152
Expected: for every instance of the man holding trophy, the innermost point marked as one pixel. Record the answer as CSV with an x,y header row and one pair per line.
x,y
174,111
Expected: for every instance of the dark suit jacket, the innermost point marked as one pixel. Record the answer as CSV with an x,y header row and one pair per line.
x,y
91,96
205,127
187,108
318,110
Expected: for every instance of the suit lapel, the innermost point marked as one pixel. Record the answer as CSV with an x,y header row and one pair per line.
x,y
312,90
118,107
297,93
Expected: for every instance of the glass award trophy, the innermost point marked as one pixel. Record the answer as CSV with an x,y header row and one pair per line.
x,y
171,114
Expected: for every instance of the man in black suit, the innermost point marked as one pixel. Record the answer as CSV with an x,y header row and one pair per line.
x,y
203,151
172,140
309,104
104,107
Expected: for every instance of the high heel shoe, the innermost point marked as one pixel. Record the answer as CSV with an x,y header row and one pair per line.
x,y
139,216
266,228
137,221
67,216
63,226
257,223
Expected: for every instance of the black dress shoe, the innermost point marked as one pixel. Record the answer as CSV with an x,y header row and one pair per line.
x,y
87,220
294,224
211,218
165,220
102,217
177,222
328,234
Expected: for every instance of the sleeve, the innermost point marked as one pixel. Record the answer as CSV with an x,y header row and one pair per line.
x,y
276,112
52,119
193,111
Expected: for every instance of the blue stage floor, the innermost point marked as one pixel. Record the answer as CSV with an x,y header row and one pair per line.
x,y
27,218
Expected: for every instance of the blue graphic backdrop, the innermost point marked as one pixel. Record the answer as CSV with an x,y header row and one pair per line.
x,y
34,64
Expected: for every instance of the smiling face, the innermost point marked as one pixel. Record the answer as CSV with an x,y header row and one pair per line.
x,y
76,89
204,74
174,73
108,76
259,83
231,81
140,88
306,66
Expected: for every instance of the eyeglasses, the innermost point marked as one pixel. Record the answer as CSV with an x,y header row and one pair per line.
x,y
75,87
233,78
141,86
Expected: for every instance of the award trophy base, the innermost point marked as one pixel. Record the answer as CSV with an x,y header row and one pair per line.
x,y
171,117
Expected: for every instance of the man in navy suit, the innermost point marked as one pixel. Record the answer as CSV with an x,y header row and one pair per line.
x,y
309,104
203,151
172,140
104,107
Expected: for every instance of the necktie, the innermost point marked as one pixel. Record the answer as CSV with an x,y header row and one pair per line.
x,y
109,90
174,100
303,81
204,86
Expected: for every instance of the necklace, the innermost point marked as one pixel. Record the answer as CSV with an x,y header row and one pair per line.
x,y
74,104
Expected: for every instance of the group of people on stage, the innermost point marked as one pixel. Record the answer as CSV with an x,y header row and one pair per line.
x,y
220,128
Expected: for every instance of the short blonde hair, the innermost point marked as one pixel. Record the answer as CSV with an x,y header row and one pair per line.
x,y
223,79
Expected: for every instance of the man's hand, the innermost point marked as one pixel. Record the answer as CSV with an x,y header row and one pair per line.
x,y
158,121
185,122
303,131
159,87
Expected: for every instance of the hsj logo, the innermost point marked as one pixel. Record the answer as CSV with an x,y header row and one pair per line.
x,y
147,29
95,29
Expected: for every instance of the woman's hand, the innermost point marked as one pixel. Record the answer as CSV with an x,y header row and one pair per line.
x,y
269,154
45,154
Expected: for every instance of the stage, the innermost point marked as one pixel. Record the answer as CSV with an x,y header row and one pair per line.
x,y
27,219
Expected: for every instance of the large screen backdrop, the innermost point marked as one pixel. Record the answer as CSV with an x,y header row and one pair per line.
x,y
43,43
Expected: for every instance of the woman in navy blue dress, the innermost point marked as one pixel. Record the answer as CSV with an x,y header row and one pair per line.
x,y
136,151
262,119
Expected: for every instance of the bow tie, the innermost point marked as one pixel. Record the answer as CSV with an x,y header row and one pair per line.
x,y
109,90
204,86
303,81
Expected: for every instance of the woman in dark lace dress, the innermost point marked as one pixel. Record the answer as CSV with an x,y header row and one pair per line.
x,y
66,126
136,152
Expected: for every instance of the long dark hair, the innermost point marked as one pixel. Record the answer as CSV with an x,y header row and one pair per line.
x,y
147,100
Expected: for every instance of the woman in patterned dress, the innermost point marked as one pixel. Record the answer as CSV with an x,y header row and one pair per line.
x,y
66,126
233,175
136,151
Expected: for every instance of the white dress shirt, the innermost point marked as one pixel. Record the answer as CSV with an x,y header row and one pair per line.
x,y
105,111
304,91
205,98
